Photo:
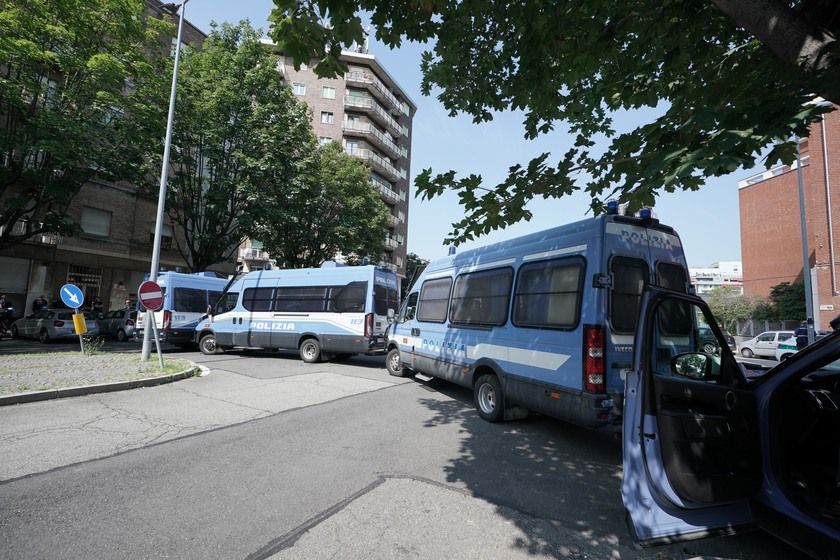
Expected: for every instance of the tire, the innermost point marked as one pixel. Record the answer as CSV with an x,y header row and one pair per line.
x,y
785,357
44,336
489,398
709,348
747,353
208,346
310,351
15,333
393,364
121,336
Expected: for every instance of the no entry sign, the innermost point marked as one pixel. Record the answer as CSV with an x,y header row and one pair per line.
x,y
151,296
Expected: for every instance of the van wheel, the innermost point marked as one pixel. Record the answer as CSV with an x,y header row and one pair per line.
x,y
489,399
393,364
747,353
208,345
310,351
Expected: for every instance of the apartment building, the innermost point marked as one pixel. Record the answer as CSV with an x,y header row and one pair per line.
x,y
723,273
112,255
771,235
371,116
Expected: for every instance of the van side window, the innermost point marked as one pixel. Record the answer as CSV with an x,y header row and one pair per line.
x,y
410,307
482,298
434,300
548,294
300,299
227,303
349,298
257,299
629,277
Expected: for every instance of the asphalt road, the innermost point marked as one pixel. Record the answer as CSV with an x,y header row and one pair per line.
x,y
267,457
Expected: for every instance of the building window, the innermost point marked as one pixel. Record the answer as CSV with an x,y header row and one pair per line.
x,y
324,140
96,222
327,117
328,92
351,147
299,89
165,237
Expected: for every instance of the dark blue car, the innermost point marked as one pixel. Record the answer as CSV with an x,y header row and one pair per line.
x,y
709,449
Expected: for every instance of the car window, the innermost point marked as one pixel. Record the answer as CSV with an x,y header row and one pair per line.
x,y
766,337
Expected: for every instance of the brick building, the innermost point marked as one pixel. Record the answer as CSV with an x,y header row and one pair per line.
x,y
371,116
771,240
113,254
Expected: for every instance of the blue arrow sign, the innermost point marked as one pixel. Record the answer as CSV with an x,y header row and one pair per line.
x,y
72,296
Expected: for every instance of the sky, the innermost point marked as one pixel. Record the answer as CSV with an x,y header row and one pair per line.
x,y
706,220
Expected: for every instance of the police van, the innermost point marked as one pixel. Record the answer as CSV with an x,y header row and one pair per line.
x,y
321,312
543,322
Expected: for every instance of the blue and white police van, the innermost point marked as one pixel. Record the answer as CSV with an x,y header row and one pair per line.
x,y
321,312
543,322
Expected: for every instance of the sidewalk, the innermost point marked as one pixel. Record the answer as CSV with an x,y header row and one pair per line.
x,y
28,376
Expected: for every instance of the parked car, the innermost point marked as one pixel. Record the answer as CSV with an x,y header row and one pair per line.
x,y
53,324
707,451
118,324
709,342
765,344
786,349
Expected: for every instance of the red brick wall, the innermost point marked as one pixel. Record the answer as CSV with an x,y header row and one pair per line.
x,y
771,247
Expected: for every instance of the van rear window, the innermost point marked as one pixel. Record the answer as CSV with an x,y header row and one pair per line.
x,y
629,276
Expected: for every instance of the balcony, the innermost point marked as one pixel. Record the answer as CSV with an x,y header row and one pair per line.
x,y
373,135
20,228
370,107
251,254
376,161
391,243
376,87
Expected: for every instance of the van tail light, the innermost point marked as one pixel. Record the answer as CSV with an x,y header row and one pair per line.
x,y
167,319
593,359
369,325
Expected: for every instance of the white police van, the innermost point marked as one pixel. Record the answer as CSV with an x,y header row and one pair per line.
x,y
321,312
543,322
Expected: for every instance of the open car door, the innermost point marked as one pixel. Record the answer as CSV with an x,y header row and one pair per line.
x,y
692,454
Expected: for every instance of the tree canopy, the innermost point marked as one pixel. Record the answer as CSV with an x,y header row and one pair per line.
x,y
240,138
728,79
69,111
331,209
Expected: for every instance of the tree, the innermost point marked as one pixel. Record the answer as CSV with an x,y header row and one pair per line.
x,y
413,266
788,300
69,113
240,137
728,79
331,209
729,305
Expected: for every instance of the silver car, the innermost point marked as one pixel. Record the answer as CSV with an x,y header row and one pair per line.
x,y
118,324
53,324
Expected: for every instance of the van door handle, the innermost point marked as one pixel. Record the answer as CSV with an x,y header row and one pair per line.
x,y
415,331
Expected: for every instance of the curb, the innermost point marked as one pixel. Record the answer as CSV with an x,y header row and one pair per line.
x,y
36,396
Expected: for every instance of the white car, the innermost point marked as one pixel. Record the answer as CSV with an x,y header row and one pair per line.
x,y
764,345
786,349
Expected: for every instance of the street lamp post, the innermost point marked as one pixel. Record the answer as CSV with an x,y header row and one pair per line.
x,y
806,261
153,272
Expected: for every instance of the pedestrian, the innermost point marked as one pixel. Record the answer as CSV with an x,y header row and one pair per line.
x,y
40,303
98,308
801,334
128,303
2,302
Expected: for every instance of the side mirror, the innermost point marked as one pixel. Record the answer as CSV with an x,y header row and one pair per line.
x,y
693,366
391,315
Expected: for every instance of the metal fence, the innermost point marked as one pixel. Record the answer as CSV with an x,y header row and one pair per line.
x,y
745,330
